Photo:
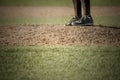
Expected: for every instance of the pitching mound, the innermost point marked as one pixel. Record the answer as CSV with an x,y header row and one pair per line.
x,y
45,34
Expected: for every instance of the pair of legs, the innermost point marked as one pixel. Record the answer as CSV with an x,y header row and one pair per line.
x,y
81,6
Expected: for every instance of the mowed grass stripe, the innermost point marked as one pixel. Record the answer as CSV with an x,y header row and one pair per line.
x,y
98,20
59,63
55,3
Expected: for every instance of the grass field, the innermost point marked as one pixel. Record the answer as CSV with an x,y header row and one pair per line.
x,y
55,3
58,62
98,20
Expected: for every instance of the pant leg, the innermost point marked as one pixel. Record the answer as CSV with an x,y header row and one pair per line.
x,y
77,8
86,7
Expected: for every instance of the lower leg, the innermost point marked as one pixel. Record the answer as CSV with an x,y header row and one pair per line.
x,y
86,7
77,8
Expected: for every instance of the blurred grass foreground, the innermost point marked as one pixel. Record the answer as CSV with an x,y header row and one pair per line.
x,y
59,63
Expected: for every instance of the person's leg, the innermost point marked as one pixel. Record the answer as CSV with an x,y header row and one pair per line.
x,y
87,18
87,13
86,7
77,10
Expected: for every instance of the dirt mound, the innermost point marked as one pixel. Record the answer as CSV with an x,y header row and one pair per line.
x,y
46,34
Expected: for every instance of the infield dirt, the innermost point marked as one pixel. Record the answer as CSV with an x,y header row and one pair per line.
x,y
46,34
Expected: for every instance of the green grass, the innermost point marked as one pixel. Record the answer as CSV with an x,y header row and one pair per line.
x,y
59,63
55,2
32,20
107,20
105,2
102,20
35,2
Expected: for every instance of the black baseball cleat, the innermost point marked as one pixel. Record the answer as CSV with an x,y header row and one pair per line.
x,y
84,21
72,21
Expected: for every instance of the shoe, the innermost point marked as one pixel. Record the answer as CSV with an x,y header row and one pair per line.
x,y
84,21
71,21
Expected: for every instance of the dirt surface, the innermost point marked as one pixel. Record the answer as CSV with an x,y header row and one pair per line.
x,y
54,11
46,34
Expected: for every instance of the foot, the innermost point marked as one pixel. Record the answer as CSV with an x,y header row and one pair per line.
x,y
71,21
84,21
